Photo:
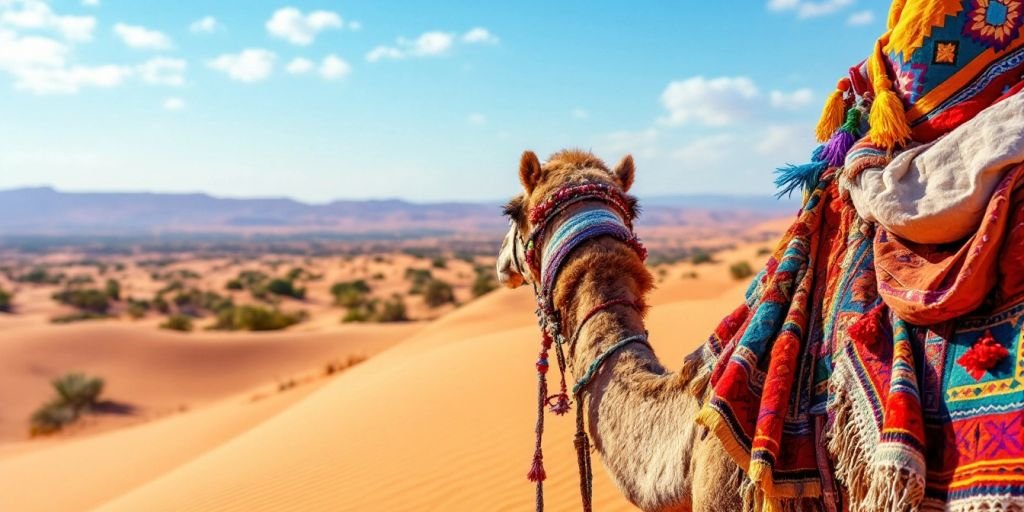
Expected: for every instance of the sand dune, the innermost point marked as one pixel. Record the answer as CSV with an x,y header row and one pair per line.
x,y
159,372
442,422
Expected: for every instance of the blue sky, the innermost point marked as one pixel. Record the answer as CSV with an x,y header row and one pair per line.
x,y
319,100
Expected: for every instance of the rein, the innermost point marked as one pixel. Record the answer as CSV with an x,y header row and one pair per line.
x,y
614,220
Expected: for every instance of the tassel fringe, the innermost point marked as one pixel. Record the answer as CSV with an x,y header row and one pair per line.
x,y
793,177
832,114
888,120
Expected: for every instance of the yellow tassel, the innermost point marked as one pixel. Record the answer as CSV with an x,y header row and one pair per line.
x,y
888,120
834,113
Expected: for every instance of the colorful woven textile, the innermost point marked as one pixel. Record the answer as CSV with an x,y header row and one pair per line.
x,y
818,366
939,63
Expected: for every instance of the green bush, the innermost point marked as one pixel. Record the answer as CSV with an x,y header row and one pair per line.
x,y
255,318
485,282
76,394
137,308
234,284
393,310
437,293
85,299
350,294
286,288
78,317
764,251
113,289
39,275
700,256
439,262
419,277
741,270
5,301
178,322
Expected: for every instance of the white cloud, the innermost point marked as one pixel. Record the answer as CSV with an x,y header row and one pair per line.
x,y
36,14
30,51
715,102
69,80
299,66
163,71
384,52
723,101
861,18
642,144
476,119
137,36
334,68
91,3
432,43
809,9
250,65
707,150
479,35
174,104
205,25
791,101
428,44
355,26
580,113
290,24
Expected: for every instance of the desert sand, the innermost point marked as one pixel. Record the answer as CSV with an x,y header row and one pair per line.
x,y
440,418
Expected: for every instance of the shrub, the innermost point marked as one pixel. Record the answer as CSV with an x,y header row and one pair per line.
x,y
393,310
437,293
484,283
700,256
234,284
5,301
741,270
78,317
419,277
39,275
76,394
137,308
178,322
286,288
86,299
439,262
764,251
79,280
113,289
350,294
255,318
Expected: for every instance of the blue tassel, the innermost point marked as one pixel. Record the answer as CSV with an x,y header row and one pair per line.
x,y
790,178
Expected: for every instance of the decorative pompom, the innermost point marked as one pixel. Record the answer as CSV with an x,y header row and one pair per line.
x,y
561,405
983,356
844,139
537,473
868,329
888,120
793,177
832,114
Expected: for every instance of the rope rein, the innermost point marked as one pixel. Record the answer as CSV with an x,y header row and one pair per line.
x,y
615,221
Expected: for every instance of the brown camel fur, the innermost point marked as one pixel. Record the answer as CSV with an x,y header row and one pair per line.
x,y
641,417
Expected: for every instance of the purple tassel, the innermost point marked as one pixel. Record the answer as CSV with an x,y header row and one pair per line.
x,y
561,405
837,148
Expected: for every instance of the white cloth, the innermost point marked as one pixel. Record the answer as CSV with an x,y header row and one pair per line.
x,y
938,192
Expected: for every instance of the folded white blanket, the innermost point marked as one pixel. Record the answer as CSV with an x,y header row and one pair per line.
x,y
937,192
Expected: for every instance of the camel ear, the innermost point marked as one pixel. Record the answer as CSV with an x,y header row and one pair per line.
x,y
529,171
624,171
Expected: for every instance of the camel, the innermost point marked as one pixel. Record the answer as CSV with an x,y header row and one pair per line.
x,y
640,415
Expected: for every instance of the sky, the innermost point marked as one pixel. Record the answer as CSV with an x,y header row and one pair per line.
x,y
426,101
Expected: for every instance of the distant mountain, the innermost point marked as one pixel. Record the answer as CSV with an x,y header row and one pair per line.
x,y
46,211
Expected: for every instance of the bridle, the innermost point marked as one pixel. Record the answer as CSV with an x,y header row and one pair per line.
x,y
614,219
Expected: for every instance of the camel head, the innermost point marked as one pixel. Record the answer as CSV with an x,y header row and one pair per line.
x,y
567,167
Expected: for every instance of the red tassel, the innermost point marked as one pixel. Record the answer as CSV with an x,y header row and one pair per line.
x,y
983,356
868,329
537,473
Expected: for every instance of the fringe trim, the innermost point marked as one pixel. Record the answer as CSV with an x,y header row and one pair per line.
x,y
753,491
871,484
985,504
